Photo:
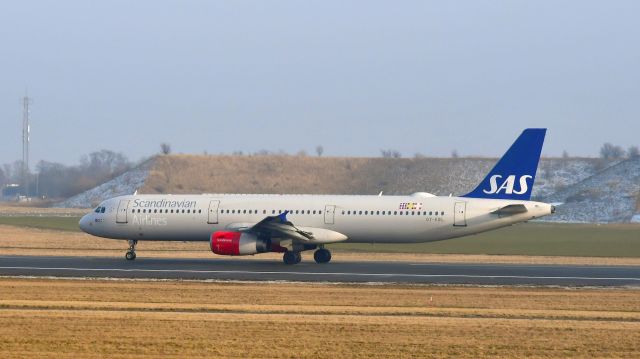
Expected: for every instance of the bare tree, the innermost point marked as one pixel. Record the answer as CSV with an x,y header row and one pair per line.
x,y
13,172
165,148
565,154
454,154
633,152
390,153
319,150
610,152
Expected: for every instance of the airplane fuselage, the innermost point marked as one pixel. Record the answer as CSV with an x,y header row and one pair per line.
x,y
373,219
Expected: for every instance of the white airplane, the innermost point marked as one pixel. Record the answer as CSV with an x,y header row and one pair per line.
x,y
247,224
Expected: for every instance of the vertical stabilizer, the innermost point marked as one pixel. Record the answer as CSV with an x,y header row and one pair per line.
x,y
514,174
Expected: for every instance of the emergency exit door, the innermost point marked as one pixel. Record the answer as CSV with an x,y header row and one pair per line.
x,y
329,214
213,211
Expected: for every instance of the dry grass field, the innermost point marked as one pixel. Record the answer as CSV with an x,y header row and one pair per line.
x,y
33,241
87,318
16,209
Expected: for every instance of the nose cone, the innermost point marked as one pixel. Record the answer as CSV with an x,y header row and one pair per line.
x,y
85,223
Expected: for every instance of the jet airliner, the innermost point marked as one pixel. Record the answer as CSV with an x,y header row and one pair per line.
x,y
248,224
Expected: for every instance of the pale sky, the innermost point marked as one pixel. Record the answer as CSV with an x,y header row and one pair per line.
x,y
353,76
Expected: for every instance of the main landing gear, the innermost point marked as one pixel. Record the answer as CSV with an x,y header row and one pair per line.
x,y
291,257
322,255
131,253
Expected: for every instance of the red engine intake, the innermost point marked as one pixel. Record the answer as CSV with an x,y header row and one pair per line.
x,y
238,244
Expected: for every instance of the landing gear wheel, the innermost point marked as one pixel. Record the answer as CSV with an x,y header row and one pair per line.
x,y
290,257
322,255
131,253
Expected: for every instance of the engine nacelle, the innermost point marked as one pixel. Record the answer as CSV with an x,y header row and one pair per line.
x,y
238,243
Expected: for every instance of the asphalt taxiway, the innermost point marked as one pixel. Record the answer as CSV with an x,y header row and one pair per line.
x,y
308,271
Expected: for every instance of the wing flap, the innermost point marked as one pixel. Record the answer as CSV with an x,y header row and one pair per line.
x,y
280,227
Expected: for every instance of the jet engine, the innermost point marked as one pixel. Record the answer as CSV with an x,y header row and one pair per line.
x,y
238,243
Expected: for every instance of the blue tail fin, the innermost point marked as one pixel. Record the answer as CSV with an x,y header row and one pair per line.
x,y
513,176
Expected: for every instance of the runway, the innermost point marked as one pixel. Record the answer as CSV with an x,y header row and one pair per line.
x,y
341,272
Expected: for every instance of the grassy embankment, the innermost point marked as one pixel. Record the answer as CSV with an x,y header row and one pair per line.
x,y
66,318
533,239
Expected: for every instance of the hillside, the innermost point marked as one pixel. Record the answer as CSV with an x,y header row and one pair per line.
x,y
611,195
294,174
585,184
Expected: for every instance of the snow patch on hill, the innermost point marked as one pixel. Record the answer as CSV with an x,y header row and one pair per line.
x,y
127,183
609,196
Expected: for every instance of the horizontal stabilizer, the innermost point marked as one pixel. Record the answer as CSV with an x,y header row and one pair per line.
x,y
511,210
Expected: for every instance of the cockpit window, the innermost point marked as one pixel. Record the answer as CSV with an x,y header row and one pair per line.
x,y
100,209
103,209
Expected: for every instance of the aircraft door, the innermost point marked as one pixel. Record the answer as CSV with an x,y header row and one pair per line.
x,y
329,214
459,215
213,211
123,209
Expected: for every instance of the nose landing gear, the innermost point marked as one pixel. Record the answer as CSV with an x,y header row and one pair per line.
x,y
131,253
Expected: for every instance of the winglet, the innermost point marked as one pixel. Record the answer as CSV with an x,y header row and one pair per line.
x,y
283,217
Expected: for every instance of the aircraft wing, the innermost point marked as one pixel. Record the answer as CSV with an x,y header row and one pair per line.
x,y
510,210
280,227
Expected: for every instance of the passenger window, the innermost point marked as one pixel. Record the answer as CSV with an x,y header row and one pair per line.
x,y
314,212
360,212
395,213
442,213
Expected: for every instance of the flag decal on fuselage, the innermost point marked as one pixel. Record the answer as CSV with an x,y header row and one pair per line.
x,y
411,205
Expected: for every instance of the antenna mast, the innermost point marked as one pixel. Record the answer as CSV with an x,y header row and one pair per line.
x,y
26,129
